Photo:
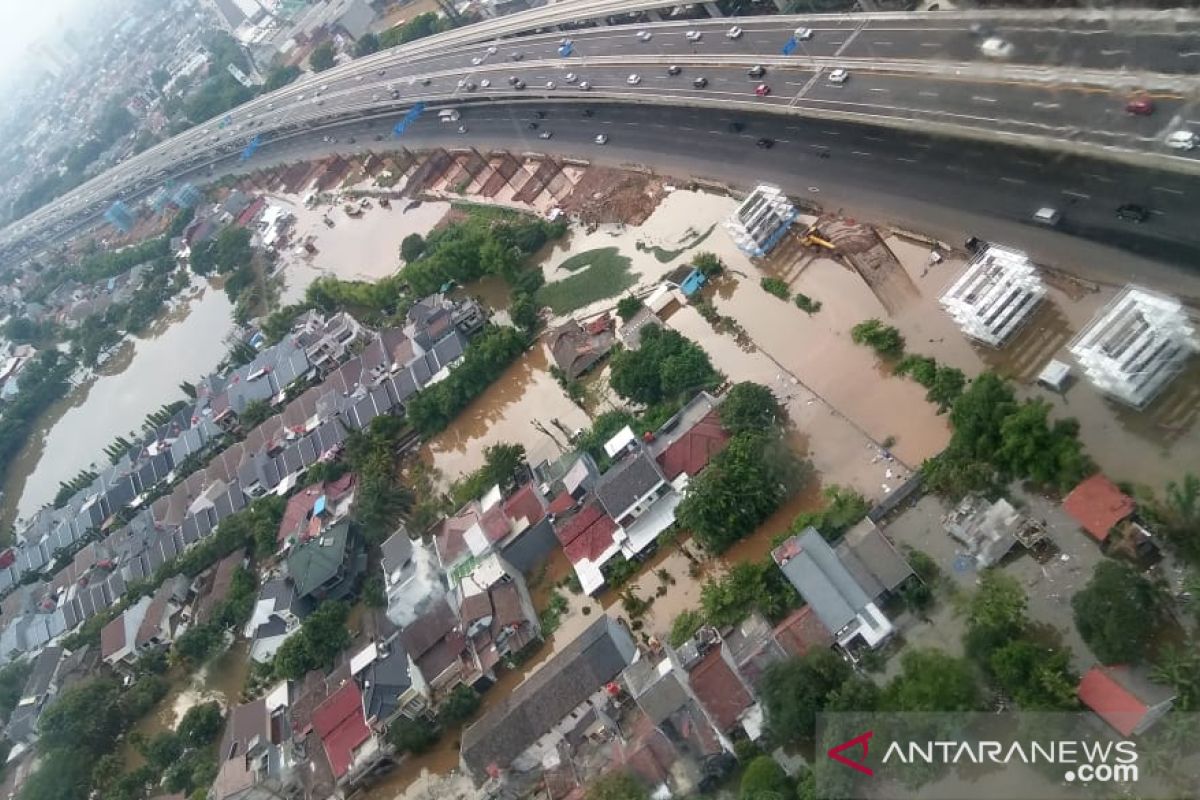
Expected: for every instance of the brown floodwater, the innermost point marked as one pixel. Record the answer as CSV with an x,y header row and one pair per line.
x,y
140,378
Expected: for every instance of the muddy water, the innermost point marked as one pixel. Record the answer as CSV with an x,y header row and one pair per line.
x,y
366,248
222,679
518,407
186,344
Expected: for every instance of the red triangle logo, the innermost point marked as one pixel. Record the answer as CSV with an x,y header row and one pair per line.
x,y
858,741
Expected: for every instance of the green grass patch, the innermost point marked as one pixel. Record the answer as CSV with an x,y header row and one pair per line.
x,y
775,286
806,303
598,274
664,256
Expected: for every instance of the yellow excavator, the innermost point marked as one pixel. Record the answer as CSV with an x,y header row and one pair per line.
x,y
812,238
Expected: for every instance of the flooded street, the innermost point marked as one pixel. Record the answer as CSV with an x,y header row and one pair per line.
x,y
187,343
366,248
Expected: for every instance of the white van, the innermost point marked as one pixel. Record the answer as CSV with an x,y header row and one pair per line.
x,y
449,115
1047,216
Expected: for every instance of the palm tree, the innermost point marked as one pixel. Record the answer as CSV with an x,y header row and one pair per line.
x,y
1179,668
1183,502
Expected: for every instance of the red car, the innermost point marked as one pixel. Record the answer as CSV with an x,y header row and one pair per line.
x,y
762,90
1141,106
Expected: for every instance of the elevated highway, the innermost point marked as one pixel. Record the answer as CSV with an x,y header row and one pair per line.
x,y
1059,88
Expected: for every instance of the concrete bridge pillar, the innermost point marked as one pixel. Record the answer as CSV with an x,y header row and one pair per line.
x,y
714,10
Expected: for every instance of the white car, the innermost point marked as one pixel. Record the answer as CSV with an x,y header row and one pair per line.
x,y
802,34
545,134
634,79
551,85
462,128
644,36
733,33
693,36
585,86
491,50
839,76
601,138
570,77
995,47
1181,140
462,82
476,61
565,42
485,83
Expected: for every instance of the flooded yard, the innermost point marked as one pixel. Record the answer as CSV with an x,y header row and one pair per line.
x,y
144,375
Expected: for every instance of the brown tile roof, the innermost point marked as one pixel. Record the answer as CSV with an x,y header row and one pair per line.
x,y
1098,505
691,452
475,607
154,615
801,632
506,600
719,690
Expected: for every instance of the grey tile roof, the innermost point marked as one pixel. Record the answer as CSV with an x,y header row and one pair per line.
x,y
396,550
595,657
626,482
450,348
822,579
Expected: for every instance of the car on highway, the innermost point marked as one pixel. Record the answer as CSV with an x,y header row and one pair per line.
x,y
565,42
757,71
513,80
700,83
462,128
1132,212
519,84
644,36
802,34
733,33
1046,215
551,85
486,83
1181,140
995,47
634,79
476,61
693,36
765,143
545,134
533,126
516,56
570,77
585,86
1140,106
839,76
762,90
601,138
491,50
674,69
381,72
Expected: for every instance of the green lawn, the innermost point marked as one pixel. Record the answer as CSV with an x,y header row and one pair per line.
x,y
597,274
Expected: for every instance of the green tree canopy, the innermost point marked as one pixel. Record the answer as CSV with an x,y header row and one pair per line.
x,y
366,45
666,366
321,58
996,614
764,779
750,406
794,691
409,735
747,586
628,306
617,786
932,681
201,724
1117,613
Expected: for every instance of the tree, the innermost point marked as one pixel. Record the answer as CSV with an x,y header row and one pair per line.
x,y
12,684
201,724
749,406
709,265
293,660
995,616
1179,668
628,306
684,626
1117,613
321,58
742,486
666,366
365,46
280,77
459,706
525,312
932,681
883,339
764,779
1037,678
843,508
1048,455
85,718
163,750
747,586
616,786
794,691
411,247
411,735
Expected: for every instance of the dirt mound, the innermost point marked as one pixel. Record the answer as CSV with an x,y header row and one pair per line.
x,y
612,195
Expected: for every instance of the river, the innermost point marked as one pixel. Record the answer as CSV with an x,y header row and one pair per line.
x,y
186,343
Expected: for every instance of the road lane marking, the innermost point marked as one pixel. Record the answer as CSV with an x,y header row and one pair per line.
x,y
1100,178
874,138
1166,189
930,44
883,44
928,94
878,90
1016,181
859,153
832,133
1028,163
907,160
979,99
956,168
1073,193
1114,52
1040,104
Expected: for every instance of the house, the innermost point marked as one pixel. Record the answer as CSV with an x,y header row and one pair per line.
x,y
438,649
1098,506
349,744
528,724
686,442
276,616
255,759
328,567
987,530
313,508
844,606
1125,698
412,578
214,583
52,671
588,538
802,632
495,611
391,685
576,348
635,494
721,693
872,559
118,639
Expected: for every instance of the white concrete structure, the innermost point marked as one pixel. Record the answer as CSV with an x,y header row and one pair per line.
x,y
761,220
995,295
1135,345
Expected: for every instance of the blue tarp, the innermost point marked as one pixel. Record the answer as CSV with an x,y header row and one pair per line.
x,y
692,283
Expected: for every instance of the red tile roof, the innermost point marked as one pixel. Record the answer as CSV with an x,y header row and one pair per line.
x,y
587,534
692,451
340,723
112,636
449,538
561,504
1098,505
801,632
527,504
1115,704
295,515
719,690
495,524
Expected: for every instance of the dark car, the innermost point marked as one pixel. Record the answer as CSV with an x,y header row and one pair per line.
x,y
533,126
757,71
352,140
519,85
674,69
587,112
765,143
1132,212
540,114
700,83
379,137
736,127
513,80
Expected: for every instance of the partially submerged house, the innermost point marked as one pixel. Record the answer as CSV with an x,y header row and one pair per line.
x,y
1125,698
576,347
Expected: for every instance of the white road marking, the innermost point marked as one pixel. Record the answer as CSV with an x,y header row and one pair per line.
x,y
1114,52
1100,178
1027,162
979,99
1073,193
1045,105
1158,213
878,90
1166,189
908,160
928,94
832,133
955,168
715,133
859,153
883,44
874,138
1017,181
930,44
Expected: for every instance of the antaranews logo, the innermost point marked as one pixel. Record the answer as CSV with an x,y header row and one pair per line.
x,y
862,740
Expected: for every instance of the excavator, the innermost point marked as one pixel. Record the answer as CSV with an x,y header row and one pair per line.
x,y
813,238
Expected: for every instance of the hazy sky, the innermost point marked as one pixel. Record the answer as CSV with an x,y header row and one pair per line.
x,y
27,20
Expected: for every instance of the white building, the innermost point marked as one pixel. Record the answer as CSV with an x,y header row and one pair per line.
x,y
1135,345
995,295
761,220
